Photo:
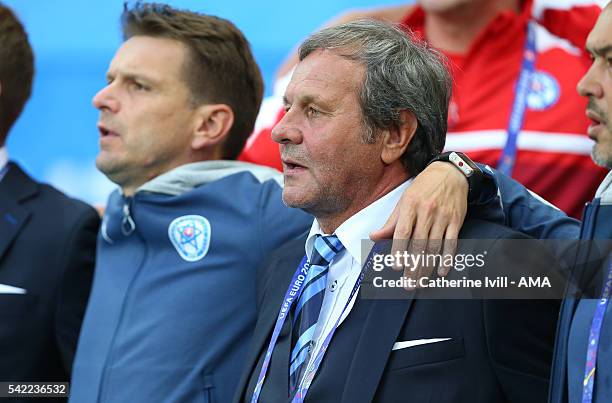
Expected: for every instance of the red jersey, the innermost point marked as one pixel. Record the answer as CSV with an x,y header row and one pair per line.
x,y
553,157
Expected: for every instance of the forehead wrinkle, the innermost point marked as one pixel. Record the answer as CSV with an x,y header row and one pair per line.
x,y
129,75
151,58
307,91
313,87
124,69
599,41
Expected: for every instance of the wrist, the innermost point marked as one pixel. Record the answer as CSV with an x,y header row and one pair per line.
x,y
464,166
450,173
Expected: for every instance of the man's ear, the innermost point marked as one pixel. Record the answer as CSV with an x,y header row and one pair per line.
x,y
213,122
396,140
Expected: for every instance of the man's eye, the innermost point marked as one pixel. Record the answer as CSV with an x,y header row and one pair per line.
x,y
312,112
138,87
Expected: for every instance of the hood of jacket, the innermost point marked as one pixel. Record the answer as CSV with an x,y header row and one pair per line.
x,y
186,177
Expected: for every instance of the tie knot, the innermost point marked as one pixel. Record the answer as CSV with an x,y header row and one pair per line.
x,y
325,249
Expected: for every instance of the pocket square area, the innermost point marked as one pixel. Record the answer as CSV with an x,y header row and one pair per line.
x,y
419,342
9,289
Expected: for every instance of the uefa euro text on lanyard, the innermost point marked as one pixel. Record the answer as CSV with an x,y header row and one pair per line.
x,y
591,358
517,115
293,294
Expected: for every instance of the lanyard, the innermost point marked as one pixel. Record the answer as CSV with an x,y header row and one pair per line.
x,y
517,116
591,360
292,295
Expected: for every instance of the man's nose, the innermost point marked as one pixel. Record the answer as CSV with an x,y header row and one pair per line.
x,y
287,130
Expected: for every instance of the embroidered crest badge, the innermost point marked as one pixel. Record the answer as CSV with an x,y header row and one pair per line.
x,y
544,91
190,236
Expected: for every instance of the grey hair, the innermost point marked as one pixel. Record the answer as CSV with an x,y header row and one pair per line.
x,y
401,73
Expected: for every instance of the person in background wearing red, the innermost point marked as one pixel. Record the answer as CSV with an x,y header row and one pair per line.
x,y
515,65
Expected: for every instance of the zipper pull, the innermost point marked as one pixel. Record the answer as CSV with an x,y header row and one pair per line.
x,y
127,224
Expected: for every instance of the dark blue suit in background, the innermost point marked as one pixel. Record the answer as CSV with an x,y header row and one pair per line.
x,y
47,248
577,314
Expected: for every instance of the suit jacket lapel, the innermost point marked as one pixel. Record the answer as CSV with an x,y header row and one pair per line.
x,y
283,271
380,331
15,187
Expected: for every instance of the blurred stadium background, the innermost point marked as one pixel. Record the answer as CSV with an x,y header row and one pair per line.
x,y
56,139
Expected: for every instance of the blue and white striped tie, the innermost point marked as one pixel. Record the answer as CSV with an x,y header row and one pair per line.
x,y
308,306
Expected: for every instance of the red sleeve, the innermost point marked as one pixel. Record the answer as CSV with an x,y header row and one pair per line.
x,y
573,24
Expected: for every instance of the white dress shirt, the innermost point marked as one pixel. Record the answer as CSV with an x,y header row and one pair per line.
x,y
3,160
346,266
605,190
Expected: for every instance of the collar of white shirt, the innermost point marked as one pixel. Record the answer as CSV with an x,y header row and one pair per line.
x,y
345,269
358,227
3,160
605,190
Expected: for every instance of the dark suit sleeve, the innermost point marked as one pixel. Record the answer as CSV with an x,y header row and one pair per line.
x,y
263,275
277,223
529,215
78,259
522,361
267,270
284,258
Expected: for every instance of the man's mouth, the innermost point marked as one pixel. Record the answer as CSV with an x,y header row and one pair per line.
x,y
290,166
106,132
598,123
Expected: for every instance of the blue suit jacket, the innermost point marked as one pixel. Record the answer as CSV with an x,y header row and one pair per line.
x,y
596,224
499,350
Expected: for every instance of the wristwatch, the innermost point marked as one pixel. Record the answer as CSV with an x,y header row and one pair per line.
x,y
467,167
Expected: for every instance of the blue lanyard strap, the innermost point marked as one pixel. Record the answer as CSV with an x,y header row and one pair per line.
x,y
292,295
517,115
594,335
